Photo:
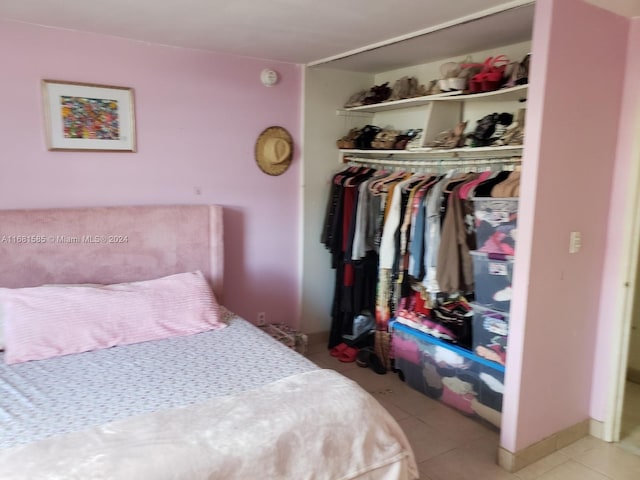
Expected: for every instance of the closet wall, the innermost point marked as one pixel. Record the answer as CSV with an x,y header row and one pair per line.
x,y
573,120
569,159
325,91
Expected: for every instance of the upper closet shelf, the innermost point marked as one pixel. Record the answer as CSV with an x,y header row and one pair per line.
x,y
505,94
468,153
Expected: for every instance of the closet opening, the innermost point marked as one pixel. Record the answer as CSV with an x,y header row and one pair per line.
x,y
424,248
629,417
622,422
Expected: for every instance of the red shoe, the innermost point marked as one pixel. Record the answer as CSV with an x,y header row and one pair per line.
x,y
349,354
494,77
338,349
475,82
491,77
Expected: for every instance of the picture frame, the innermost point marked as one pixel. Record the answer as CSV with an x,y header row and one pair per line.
x,y
89,117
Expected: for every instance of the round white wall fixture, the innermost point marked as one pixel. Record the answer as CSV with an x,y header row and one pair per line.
x,y
269,77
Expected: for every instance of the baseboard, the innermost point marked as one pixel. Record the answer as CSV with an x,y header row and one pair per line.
x,y
633,375
596,429
513,462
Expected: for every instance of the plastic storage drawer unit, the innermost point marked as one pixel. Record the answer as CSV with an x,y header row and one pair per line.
x,y
448,373
496,222
492,280
490,333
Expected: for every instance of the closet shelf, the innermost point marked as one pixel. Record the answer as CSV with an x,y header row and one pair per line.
x,y
505,94
430,154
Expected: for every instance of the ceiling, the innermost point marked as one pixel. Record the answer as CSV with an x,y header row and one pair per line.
x,y
626,8
507,27
385,34
296,31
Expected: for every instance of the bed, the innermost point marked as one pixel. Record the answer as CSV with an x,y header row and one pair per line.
x,y
121,362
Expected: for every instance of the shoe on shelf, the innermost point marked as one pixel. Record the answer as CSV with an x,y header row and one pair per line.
x,y
349,140
357,99
448,71
405,87
449,139
517,73
475,82
468,68
491,76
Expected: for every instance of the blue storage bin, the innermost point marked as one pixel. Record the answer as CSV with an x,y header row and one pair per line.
x,y
450,374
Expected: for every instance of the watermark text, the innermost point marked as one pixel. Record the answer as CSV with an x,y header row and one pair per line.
x,y
62,239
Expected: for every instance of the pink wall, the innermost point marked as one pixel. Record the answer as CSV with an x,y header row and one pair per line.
x,y
198,116
572,125
623,201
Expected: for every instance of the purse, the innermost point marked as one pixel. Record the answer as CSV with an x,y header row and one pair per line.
x,y
483,134
356,99
402,140
385,139
349,140
367,135
377,94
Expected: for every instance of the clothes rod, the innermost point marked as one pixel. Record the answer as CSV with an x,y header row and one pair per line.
x,y
460,162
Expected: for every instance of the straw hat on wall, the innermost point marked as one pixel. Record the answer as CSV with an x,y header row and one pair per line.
x,y
274,150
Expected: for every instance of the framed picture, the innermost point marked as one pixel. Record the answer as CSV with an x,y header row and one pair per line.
x,y
89,117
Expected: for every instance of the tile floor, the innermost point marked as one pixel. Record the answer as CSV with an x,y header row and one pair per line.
x,y
450,446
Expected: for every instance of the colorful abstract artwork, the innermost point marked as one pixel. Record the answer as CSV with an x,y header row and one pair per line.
x,y
88,117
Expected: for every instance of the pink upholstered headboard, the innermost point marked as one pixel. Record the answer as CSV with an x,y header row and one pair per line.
x,y
110,244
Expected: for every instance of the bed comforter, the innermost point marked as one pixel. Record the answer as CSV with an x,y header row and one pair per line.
x,y
263,433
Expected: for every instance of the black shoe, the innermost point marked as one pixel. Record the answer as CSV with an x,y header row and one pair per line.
x,y
368,358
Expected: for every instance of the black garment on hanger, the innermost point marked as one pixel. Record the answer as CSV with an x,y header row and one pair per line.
x,y
483,189
351,294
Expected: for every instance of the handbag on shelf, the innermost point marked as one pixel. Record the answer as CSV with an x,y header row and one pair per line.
x,y
448,139
484,133
517,73
367,135
385,139
349,140
402,140
377,94
357,99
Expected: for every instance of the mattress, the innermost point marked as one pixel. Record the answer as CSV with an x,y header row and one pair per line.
x,y
40,399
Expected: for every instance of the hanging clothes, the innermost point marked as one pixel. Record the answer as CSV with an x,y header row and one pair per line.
x,y
454,271
338,233
432,231
402,241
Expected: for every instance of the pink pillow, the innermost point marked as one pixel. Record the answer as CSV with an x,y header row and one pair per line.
x,y
48,321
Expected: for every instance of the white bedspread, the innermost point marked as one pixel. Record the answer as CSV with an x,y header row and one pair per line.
x,y
312,425
50,397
